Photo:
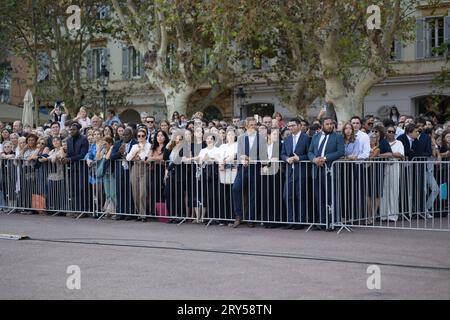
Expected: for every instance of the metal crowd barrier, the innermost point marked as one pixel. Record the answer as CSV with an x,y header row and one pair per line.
x,y
209,193
391,194
376,193
50,187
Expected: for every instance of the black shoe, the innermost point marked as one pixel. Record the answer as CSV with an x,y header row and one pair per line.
x,y
287,226
316,228
128,218
251,225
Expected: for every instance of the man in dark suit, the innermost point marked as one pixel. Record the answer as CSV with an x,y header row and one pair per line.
x,y
295,149
251,147
122,174
409,140
325,148
417,148
77,147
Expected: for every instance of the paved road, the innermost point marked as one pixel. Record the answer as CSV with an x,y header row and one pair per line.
x,y
135,260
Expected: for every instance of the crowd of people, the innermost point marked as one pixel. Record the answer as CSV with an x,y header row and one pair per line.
x,y
257,169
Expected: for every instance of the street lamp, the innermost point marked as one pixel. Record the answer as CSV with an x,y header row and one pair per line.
x,y
241,96
104,79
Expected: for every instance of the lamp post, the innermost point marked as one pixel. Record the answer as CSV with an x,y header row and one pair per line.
x,y
241,96
104,80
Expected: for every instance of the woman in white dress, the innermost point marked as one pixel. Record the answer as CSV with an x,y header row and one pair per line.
x,y
389,208
227,174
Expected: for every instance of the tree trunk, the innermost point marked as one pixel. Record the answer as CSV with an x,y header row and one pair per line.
x,y
348,104
177,100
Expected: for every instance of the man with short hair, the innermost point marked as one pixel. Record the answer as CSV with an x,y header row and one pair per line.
x,y
55,133
96,122
151,127
111,118
77,148
144,116
251,148
267,121
236,121
18,128
367,124
325,148
294,150
121,170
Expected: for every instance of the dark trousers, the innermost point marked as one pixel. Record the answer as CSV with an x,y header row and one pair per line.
x,y
123,190
322,195
295,194
249,178
79,187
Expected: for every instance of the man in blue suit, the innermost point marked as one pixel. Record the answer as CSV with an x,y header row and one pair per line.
x,y
122,173
251,147
325,148
295,149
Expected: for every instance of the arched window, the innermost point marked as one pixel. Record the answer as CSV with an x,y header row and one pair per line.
x,y
211,113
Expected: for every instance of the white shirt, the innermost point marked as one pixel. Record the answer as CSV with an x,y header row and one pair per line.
x,y
142,154
84,122
251,140
213,153
324,136
411,140
295,139
364,145
228,151
398,132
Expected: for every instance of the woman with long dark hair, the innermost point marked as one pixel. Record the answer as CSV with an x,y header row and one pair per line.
x,y
380,148
394,115
155,159
174,189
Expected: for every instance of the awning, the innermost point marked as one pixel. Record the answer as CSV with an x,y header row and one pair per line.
x,y
9,113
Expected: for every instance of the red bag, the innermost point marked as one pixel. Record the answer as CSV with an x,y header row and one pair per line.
x,y
161,211
38,202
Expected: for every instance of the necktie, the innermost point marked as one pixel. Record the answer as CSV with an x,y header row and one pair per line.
x,y
322,145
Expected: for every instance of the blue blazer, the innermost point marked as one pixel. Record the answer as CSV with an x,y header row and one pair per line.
x,y
334,150
301,150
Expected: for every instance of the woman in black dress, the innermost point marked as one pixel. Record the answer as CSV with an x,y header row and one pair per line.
x,y
157,168
174,189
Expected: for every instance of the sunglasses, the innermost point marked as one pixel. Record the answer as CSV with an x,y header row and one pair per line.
x,y
390,131
141,136
150,121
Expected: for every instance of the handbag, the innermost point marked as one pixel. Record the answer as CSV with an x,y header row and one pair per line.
x,y
444,191
38,201
100,170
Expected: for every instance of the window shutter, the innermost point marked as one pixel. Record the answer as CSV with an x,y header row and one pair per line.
x,y
397,50
420,38
265,63
125,63
447,29
141,65
105,58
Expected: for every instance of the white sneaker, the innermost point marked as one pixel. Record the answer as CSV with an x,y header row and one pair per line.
x,y
429,216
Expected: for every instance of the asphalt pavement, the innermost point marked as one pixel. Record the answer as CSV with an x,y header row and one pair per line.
x,y
135,260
